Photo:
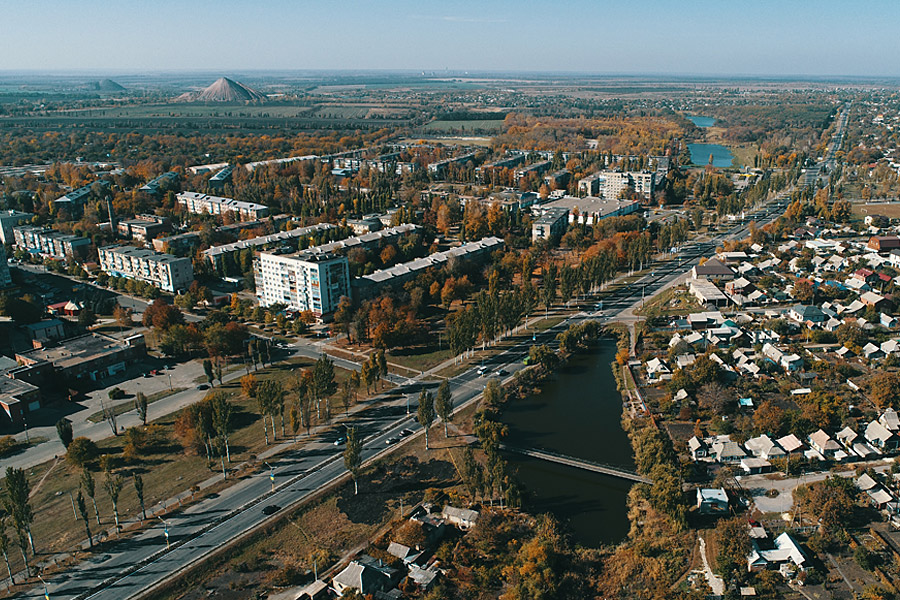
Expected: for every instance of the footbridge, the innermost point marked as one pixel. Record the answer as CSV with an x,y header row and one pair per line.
x,y
578,463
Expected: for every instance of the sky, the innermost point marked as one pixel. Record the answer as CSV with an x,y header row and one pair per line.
x,y
686,37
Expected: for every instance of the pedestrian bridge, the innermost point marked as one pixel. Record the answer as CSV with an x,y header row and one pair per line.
x,y
578,463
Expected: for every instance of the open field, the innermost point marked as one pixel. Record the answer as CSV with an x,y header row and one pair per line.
x,y
890,210
487,126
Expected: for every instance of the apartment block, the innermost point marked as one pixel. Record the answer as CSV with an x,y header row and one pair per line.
x,y
167,272
8,220
306,280
47,242
198,203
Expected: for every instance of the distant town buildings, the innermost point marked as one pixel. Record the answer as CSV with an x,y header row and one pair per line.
x,y
612,185
168,273
47,242
371,285
74,200
154,187
198,203
217,254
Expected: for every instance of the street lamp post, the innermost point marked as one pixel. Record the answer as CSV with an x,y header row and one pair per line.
x,y
165,532
46,591
271,475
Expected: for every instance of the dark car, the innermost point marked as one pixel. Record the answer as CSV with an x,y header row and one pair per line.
x,y
203,386
406,432
270,509
392,440
340,441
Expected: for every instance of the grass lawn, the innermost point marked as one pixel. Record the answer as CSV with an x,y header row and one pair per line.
x,y
128,405
671,301
420,358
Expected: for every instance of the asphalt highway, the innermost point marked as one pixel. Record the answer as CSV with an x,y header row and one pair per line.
x,y
131,567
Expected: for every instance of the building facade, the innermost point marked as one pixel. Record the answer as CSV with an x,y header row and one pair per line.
x,y
552,223
198,203
143,227
8,220
47,242
305,281
167,272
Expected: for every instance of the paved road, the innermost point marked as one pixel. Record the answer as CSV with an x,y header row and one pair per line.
x,y
130,567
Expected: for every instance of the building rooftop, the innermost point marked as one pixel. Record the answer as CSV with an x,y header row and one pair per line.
x,y
591,205
142,253
74,351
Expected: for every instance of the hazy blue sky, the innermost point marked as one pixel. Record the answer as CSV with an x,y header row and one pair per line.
x,y
766,37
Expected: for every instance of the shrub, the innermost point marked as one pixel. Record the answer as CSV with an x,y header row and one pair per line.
x,y
81,452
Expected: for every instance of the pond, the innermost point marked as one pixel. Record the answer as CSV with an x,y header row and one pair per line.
x,y
722,156
701,121
578,413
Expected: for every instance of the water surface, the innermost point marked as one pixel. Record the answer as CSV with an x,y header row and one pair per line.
x,y
578,413
722,156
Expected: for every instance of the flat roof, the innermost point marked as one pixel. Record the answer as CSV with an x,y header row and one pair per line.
x,y
75,350
142,253
590,205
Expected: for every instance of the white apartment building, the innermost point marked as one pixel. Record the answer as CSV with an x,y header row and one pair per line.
x,y
8,220
167,272
313,281
198,203
47,242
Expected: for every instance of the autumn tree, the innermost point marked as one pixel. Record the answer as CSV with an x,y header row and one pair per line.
x,y
64,431
733,540
426,412
87,484
353,456
140,407
443,405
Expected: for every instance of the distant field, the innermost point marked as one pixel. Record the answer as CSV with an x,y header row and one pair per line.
x,y
192,110
463,141
488,126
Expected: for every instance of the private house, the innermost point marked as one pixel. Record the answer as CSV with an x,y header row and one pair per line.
x,y
881,437
876,301
786,550
364,577
714,270
788,362
890,419
712,501
822,443
790,444
807,315
697,448
727,451
657,369
463,518
764,447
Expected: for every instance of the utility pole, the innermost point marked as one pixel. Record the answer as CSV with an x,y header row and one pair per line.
x,y
166,532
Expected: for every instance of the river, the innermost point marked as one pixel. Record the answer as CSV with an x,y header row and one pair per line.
x,y
701,122
577,413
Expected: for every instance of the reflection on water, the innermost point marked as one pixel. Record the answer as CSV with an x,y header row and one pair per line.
x,y
578,413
